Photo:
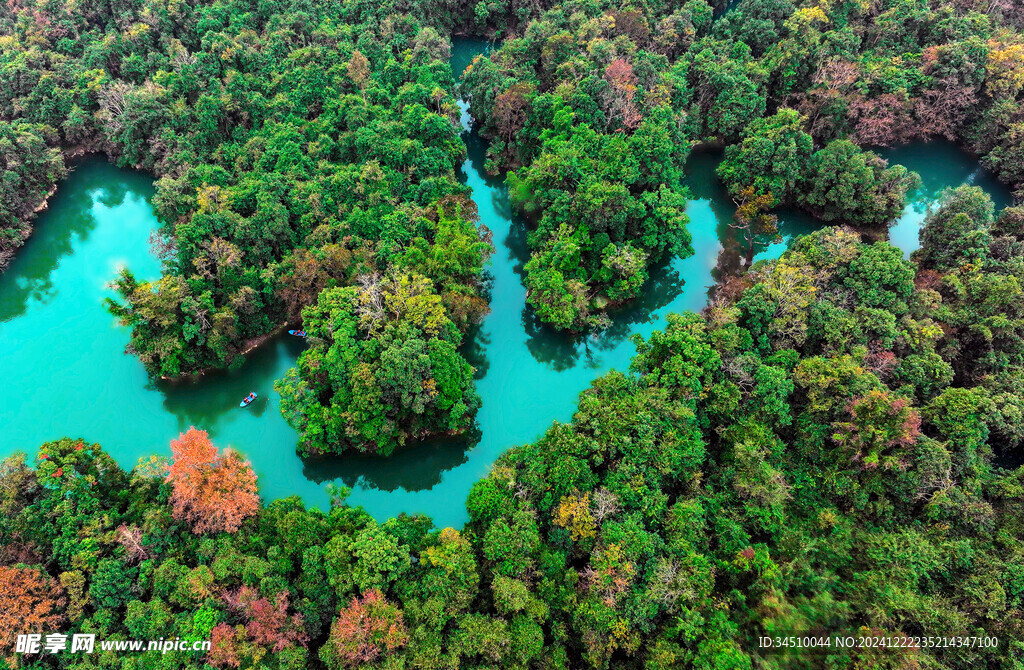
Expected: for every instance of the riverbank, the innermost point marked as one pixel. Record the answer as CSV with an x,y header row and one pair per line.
x,y
63,345
25,232
248,346
30,213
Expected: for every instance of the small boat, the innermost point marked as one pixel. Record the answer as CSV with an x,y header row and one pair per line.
x,y
297,333
248,399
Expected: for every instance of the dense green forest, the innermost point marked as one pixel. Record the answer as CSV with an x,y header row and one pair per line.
x,y
594,108
826,449
31,167
303,147
815,453
299,149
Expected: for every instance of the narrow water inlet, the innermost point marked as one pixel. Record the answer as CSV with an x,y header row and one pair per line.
x,y
66,373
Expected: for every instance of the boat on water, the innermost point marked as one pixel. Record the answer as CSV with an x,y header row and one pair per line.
x,y
297,333
248,399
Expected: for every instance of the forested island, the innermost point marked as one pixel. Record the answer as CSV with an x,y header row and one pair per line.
x,y
833,446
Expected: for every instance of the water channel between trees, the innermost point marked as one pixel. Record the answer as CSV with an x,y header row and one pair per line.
x,y
64,371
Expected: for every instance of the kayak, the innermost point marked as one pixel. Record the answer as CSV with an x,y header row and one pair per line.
x,y
297,333
245,403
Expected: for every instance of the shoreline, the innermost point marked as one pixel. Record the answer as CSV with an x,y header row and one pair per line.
x,y
248,347
27,220
43,204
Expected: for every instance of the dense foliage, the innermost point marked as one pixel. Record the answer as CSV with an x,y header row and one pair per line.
x,y
297,147
817,453
382,367
29,168
829,448
793,88
839,182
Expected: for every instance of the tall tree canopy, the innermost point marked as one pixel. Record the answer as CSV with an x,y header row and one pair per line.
x,y
214,492
833,446
382,367
841,411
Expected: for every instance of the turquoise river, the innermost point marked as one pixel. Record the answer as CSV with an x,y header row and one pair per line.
x,y
65,373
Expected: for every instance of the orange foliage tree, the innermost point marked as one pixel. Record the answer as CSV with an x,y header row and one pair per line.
x,y
30,602
224,646
619,99
213,491
368,627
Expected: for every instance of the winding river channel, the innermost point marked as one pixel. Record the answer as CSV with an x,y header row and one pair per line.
x,y
64,371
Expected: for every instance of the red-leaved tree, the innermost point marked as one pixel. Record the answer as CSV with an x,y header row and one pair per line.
x,y
510,109
269,623
882,121
368,627
30,602
213,491
224,647
620,103
881,430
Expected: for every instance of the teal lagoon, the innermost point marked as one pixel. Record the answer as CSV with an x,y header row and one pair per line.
x,y
65,372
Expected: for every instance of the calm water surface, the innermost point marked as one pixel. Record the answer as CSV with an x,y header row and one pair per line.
x,y
940,164
64,368
65,372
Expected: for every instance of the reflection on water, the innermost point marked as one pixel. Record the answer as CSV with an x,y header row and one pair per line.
x,y
66,374
30,276
202,401
415,467
941,165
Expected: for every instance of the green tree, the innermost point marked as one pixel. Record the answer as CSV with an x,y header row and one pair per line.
x,y
846,184
958,231
30,166
772,158
383,368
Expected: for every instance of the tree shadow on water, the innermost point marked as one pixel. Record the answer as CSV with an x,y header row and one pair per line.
x,y
415,467
563,351
474,350
203,401
517,247
68,221
664,285
548,346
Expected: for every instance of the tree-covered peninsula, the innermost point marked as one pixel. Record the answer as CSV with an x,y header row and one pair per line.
x,y
818,453
306,147
832,447
299,150
594,107
298,147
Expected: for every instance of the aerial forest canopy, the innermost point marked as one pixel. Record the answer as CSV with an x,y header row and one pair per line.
x,y
816,454
299,149
307,147
594,107
832,446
